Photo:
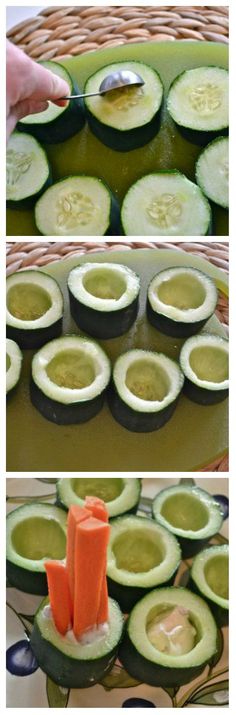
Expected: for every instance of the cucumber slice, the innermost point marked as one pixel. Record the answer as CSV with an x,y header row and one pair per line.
x,y
198,103
120,495
28,171
145,662
190,513
69,379
210,578
14,359
77,206
34,308
103,298
165,203
145,390
212,171
141,555
35,533
128,118
180,301
56,124
70,663
204,360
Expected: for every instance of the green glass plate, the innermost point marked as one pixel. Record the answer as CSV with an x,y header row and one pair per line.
x,y
85,154
195,435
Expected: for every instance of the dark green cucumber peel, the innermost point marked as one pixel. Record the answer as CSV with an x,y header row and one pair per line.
x,y
28,581
127,140
156,675
200,138
174,328
103,325
128,596
61,414
203,396
137,421
40,336
68,123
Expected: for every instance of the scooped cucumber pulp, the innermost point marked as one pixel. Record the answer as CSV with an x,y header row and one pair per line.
x,y
77,206
170,637
180,301
141,555
212,171
204,360
198,103
28,171
120,495
127,118
34,308
103,298
35,533
69,379
14,359
210,579
193,515
56,124
67,661
165,203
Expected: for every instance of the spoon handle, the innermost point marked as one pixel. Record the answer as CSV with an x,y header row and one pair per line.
x,y
81,96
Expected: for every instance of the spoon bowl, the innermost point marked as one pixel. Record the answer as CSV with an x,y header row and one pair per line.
x,y
113,81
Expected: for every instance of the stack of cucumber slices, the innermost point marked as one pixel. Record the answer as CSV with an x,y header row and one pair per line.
x,y
162,203
171,632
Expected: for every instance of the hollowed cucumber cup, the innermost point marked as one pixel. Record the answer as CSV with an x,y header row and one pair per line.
x,y
35,533
180,301
210,579
69,379
146,662
14,359
204,360
70,663
190,513
120,495
141,556
34,308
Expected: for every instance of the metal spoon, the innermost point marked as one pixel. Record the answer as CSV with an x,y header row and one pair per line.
x,y
116,80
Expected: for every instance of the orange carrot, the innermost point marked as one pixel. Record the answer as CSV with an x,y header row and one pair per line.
x,y
59,595
77,514
99,510
91,539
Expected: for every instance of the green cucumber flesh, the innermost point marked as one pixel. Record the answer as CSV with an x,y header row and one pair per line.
x,y
14,359
68,662
180,301
103,298
204,361
28,170
145,662
210,579
77,206
35,533
165,203
145,389
120,495
141,555
212,171
56,124
34,308
127,118
198,101
69,379
190,513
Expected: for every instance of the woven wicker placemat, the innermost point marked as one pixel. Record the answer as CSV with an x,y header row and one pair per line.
x,y
65,31
22,255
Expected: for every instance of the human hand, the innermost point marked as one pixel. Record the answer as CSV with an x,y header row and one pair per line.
x,y
29,86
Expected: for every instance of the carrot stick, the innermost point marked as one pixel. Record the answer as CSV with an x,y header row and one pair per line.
x,y
91,539
59,595
99,510
77,514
